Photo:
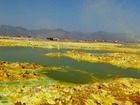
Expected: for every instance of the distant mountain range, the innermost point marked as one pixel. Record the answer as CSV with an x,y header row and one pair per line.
x,y
60,33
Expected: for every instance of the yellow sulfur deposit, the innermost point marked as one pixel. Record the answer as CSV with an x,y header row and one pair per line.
x,y
119,59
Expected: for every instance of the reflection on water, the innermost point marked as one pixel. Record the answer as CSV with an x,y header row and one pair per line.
x,y
79,71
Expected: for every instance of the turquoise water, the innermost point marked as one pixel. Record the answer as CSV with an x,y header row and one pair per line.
x,y
73,71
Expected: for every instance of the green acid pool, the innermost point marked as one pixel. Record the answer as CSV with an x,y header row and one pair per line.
x,y
78,72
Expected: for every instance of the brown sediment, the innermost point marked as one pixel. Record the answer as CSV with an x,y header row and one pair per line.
x,y
17,71
113,92
20,71
18,65
122,91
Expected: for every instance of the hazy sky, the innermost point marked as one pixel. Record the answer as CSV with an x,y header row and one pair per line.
x,y
73,15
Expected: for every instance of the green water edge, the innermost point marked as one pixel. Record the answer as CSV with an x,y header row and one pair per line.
x,y
72,71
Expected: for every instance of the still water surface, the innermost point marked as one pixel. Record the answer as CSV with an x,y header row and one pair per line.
x,y
73,71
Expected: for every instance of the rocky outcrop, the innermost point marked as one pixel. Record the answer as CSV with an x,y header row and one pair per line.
x,y
17,71
124,60
122,91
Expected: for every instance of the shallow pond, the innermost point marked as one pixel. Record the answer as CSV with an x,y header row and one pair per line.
x,y
73,71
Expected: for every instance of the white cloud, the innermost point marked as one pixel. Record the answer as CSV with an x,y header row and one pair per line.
x,y
108,15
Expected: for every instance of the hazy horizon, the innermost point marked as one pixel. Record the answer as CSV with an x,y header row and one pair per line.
x,y
116,16
69,30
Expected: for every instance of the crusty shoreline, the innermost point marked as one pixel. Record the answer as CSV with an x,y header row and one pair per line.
x,y
120,91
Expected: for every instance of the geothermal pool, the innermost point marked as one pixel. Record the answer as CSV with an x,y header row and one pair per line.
x,y
78,72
